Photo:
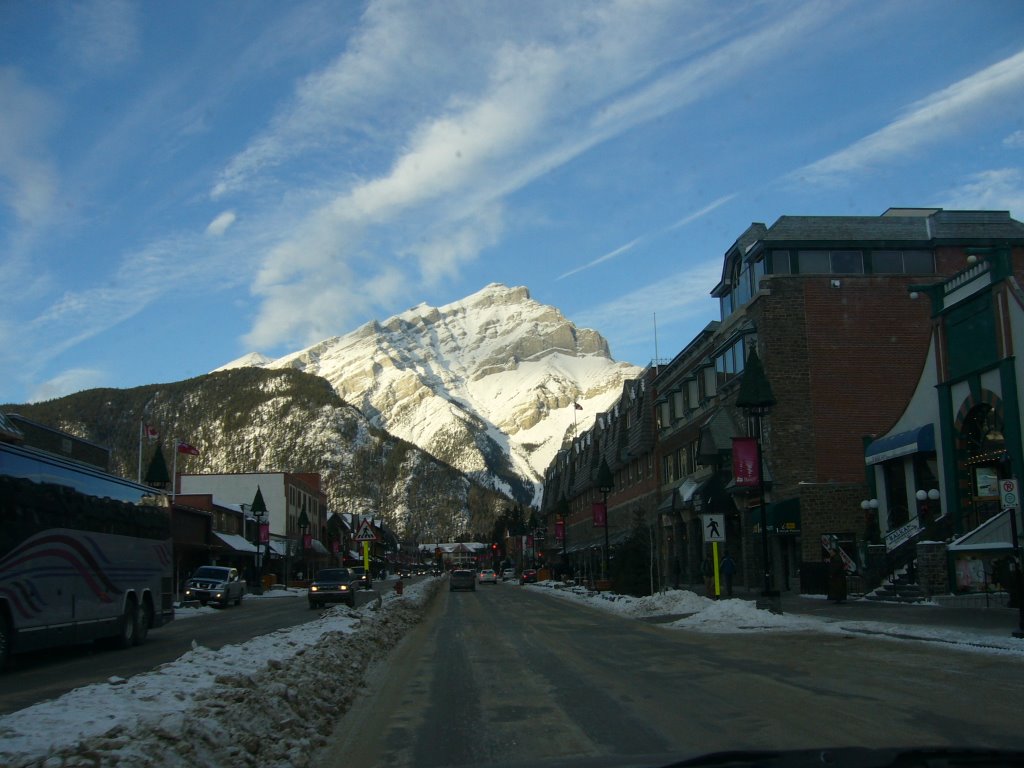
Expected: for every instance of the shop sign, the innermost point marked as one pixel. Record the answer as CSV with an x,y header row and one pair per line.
x,y
904,533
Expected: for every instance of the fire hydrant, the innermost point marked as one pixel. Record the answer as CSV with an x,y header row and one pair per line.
x,y
399,587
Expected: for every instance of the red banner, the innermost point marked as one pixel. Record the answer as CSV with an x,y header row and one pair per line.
x,y
264,533
307,541
745,469
560,530
335,547
600,513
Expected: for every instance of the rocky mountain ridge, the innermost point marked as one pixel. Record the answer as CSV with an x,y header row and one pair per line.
x,y
488,384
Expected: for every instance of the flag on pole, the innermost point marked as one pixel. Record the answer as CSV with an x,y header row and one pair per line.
x,y
578,406
191,450
151,432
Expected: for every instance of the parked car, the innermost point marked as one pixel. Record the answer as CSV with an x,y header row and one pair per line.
x,y
215,584
508,574
529,577
363,576
487,576
462,578
333,585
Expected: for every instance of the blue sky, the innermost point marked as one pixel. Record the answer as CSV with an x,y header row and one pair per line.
x,y
182,183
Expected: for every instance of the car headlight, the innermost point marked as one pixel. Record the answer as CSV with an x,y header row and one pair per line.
x,y
343,587
314,588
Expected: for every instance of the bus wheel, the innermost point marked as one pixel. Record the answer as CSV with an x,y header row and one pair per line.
x,y
5,641
129,625
145,621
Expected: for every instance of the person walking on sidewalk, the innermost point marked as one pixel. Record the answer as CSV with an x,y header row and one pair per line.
x,y
727,567
707,570
836,577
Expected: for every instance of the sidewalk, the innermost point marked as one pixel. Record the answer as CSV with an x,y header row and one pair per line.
x,y
992,621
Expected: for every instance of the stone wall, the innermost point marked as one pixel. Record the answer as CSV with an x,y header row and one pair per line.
x,y
932,567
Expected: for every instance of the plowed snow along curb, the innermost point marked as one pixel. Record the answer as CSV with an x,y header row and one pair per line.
x,y
276,715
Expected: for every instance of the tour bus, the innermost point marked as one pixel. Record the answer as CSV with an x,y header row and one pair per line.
x,y
84,555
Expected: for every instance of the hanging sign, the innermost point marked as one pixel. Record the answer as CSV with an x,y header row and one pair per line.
x,y
745,466
600,513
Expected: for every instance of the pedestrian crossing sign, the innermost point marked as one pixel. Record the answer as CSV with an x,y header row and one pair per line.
x,y
714,528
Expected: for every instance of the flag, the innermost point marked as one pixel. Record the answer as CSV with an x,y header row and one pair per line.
x,y
578,406
151,432
191,450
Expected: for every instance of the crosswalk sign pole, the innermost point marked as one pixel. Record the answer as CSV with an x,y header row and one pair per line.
x,y
714,555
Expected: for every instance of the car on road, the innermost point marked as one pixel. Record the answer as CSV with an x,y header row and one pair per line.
x,y
509,574
216,584
529,576
333,585
488,576
462,578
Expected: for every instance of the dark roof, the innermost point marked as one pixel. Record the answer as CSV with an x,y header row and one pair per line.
x,y
939,226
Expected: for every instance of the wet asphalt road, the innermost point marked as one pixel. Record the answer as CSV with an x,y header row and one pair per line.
x,y
507,676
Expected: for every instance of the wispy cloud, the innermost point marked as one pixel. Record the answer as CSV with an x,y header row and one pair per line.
x,y
675,299
943,114
67,382
688,219
101,34
1000,189
221,224
27,170
520,109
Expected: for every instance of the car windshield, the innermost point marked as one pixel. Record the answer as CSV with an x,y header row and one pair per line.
x,y
334,574
210,572
640,378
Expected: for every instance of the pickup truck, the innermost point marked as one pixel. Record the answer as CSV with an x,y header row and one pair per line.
x,y
215,584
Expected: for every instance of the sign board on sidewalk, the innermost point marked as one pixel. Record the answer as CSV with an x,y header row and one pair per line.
x,y
714,528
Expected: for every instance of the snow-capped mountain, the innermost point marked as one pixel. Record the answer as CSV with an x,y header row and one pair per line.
x,y
488,383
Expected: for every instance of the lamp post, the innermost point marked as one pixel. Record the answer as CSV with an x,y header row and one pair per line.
x,y
304,527
259,511
756,399
605,483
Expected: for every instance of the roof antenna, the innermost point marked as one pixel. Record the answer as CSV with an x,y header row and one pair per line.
x,y
655,316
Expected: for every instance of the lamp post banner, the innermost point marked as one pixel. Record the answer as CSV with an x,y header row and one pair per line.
x,y
745,470
264,533
600,513
560,530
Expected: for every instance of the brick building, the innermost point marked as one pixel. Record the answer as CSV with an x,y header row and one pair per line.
x,y
824,301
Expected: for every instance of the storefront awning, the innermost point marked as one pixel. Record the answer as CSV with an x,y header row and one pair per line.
x,y
901,444
994,535
236,542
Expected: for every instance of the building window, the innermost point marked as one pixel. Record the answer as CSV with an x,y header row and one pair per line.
x,y
847,262
780,263
831,262
902,262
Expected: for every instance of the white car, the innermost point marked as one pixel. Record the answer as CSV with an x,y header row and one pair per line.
x,y
488,576
509,574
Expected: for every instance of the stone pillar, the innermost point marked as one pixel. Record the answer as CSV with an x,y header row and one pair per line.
x,y
933,567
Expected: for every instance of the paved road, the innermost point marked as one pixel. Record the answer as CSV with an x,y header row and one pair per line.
x,y
507,676
47,674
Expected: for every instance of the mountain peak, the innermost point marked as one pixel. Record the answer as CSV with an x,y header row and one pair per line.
x,y
486,383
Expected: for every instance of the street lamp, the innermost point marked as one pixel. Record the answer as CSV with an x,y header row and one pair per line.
x,y
756,399
605,483
259,511
304,527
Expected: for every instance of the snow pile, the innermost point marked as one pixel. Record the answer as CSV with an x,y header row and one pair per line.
x,y
685,610
268,702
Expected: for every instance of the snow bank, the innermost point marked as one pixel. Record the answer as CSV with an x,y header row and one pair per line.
x,y
267,702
